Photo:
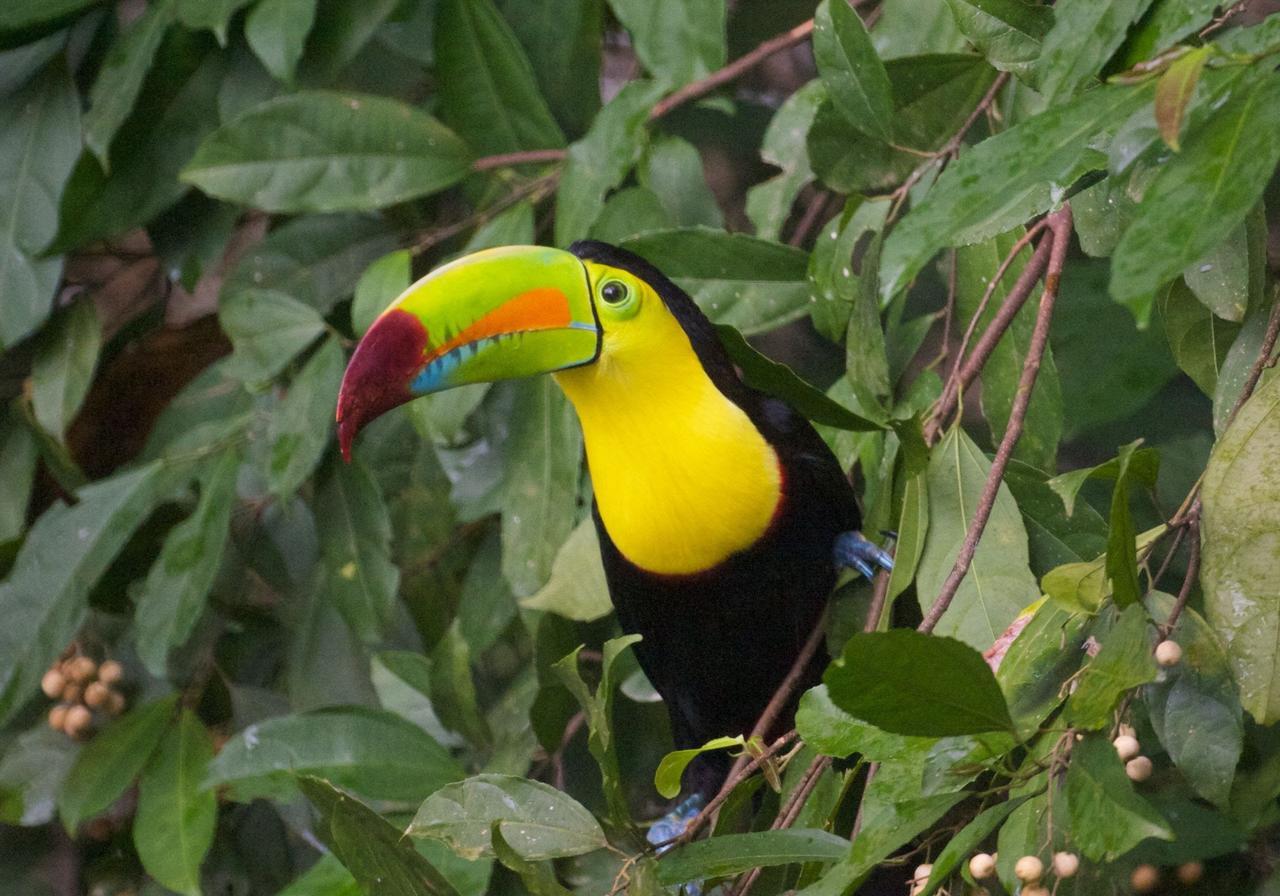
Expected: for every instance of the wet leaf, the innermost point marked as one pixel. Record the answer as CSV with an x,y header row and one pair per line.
x,y
1107,817
1123,663
855,77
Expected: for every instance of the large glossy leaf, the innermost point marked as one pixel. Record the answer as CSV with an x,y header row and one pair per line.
x,y
748,283
355,547
1241,539
375,851
1009,33
1047,652
63,368
537,821
731,853
1198,198
374,753
267,329
38,148
577,588
855,77
677,40
1005,179
487,90
600,161
1083,37
174,825
1195,706
44,600
1107,817
173,595
301,425
562,39
112,760
911,683
1053,536
833,732
672,170
999,583
319,151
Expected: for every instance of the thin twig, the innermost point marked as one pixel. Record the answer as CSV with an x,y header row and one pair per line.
x,y
788,813
1059,224
524,157
1262,363
734,69
535,190
879,597
810,218
969,368
1184,593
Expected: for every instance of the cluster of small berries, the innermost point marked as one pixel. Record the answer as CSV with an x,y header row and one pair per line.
x,y
1146,878
85,690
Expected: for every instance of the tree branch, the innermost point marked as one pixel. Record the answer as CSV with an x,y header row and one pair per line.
x,y
1059,225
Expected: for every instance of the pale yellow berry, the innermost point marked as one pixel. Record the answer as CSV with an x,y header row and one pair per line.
x,y
52,684
982,866
1168,653
1065,864
922,872
110,672
97,694
1190,873
79,720
1127,747
1035,890
1144,879
83,669
1029,869
1138,768
58,717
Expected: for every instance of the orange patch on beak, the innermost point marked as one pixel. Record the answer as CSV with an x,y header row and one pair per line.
x,y
538,309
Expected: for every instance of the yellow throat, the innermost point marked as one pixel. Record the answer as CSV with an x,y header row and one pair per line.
x,y
682,477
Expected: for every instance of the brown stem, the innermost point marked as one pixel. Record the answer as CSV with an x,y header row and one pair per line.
x,y
1059,224
734,69
788,814
811,217
1262,363
969,368
879,597
1193,569
524,157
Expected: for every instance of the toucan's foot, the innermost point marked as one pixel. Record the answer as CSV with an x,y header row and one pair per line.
x,y
672,825
856,552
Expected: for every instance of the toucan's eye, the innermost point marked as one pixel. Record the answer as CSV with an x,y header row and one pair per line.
x,y
615,292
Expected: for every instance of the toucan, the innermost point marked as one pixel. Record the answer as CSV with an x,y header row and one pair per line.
x,y
722,515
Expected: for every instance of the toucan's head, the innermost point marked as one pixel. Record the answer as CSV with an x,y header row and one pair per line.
x,y
501,314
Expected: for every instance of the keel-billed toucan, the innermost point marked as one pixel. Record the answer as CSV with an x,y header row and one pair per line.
x,y
721,513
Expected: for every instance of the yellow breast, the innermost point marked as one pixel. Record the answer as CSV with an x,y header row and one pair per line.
x,y
682,477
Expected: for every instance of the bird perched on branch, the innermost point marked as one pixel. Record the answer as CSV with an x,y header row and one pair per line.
x,y
722,516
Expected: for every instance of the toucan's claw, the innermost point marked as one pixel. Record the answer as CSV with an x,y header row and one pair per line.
x,y
672,825
855,552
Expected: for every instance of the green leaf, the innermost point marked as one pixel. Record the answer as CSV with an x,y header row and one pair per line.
x,y
487,90
1009,33
215,15
999,583
976,267
302,422
911,683
453,689
38,149
1198,339
20,15
1226,278
45,598
316,259
355,547
732,853
32,769
1046,653
563,41
537,821
1122,560
108,764
1240,534
267,329
1082,587
577,588
748,283
277,31
855,77
543,459
539,878
1006,179
833,732
913,524
677,40
769,203
63,368
374,753
1174,91
672,169
174,825
1107,817
666,777
1197,198
375,851
598,708
379,285
1141,463
174,593
120,79
403,681
1123,663
1053,537
19,452
1194,707
772,378
1083,37
321,151
600,161
1168,23
629,212
327,877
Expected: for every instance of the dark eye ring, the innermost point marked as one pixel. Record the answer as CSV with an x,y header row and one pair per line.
x,y
614,292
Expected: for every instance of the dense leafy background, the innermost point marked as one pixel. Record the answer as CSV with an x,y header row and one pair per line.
x,y
203,203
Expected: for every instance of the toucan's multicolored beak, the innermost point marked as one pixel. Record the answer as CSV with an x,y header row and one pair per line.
x,y
497,314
